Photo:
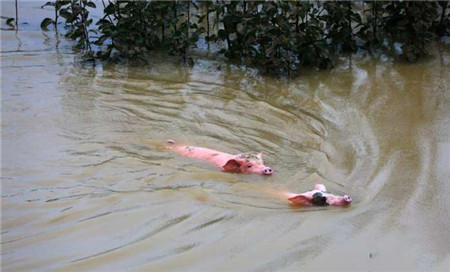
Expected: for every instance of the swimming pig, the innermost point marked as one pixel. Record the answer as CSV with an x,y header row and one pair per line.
x,y
318,197
241,163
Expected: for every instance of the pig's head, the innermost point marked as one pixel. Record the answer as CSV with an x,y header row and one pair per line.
x,y
247,163
339,200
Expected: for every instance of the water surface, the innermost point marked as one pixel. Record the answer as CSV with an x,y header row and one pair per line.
x,y
87,182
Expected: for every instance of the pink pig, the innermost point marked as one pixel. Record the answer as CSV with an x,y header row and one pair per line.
x,y
241,163
318,197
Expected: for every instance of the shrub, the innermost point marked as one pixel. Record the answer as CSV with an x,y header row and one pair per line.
x,y
278,37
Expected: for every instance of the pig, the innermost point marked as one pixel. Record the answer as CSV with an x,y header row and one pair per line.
x,y
241,163
318,197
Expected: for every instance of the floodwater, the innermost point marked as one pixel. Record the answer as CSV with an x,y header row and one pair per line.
x,y
87,183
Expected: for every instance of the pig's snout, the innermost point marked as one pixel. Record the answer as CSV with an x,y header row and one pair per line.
x,y
267,171
347,199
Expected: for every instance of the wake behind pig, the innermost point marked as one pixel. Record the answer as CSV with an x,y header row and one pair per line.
x,y
241,163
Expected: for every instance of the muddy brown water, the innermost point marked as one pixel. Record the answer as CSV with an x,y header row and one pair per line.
x,y
87,183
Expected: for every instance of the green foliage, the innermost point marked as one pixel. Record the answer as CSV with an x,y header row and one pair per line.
x,y
76,14
46,22
279,37
409,23
340,18
11,23
133,29
442,27
58,4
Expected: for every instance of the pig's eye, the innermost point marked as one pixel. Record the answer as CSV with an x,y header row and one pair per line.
x,y
249,165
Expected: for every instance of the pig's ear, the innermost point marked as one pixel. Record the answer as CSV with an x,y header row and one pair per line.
x,y
260,155
232,166
301,200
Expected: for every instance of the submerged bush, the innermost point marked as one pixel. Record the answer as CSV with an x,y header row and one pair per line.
x,y
135,28
278,37
412,24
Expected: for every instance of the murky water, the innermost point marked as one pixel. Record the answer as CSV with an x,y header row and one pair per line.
x,y
88,184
